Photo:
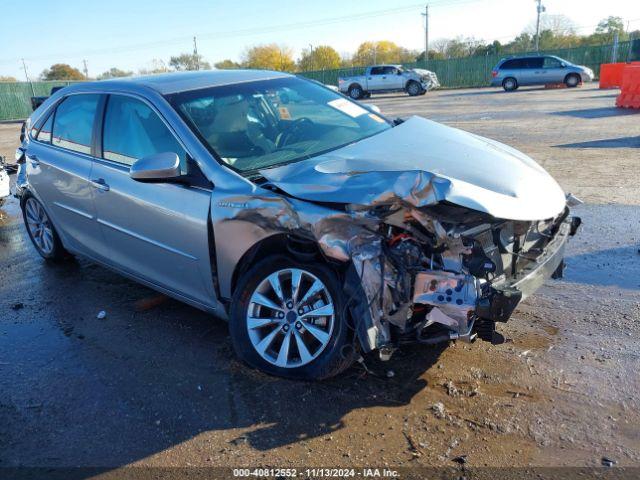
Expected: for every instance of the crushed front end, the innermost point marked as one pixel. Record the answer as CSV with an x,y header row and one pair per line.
x,y
445,272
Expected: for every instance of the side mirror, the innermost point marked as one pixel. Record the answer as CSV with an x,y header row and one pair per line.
x,y
375,108
399,72
563,65
157,167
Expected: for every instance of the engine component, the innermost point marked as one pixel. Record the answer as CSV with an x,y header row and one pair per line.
x,y
454,295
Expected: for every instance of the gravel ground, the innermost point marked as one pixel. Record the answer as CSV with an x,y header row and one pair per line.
x,y
156,382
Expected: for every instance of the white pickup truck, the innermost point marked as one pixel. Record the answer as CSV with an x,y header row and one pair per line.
x,y
388,78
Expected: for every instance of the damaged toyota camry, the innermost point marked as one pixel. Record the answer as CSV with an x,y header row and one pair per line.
x,y
316,226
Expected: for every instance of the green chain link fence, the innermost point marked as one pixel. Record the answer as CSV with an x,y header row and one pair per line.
x,y
476,71
15,97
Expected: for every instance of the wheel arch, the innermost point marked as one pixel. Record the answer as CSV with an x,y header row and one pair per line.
x,y
573,74
279,243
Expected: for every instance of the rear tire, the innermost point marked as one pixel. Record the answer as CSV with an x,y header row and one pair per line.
x,y
317,347
510,84
356,92
572,80
41,231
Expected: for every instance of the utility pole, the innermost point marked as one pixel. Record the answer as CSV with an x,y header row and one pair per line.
x,y
311,65
195,54
86,70
26,75
540,8
426,34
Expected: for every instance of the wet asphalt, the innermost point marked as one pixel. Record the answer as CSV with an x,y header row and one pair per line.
x,y
156,382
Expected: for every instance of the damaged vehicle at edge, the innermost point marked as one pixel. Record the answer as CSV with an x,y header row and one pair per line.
x,y
316,226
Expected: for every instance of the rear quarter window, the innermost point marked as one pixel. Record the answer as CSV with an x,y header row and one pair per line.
x,y
44,135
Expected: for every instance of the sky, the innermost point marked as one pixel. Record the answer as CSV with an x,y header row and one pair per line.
x,y
129,34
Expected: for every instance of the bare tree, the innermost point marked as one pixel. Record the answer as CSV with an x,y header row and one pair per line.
x,y
559,25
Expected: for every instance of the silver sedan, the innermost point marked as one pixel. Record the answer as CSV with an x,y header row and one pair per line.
x,y
315,225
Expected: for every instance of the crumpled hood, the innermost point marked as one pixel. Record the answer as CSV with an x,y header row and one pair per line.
x,y
421,162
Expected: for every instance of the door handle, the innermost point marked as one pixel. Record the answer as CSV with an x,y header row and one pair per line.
x,y
100,184
34,160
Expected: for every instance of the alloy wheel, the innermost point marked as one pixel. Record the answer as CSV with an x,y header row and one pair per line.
x,y
290,318
39,226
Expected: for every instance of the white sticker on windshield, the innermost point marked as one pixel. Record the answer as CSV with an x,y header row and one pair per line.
x,y
345,106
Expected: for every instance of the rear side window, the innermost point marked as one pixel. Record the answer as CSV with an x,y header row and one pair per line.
x,y
132,130
534,62
73,123
376,70
45,132
512,64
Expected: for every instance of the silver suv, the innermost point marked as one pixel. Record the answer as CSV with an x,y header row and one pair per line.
x,y
312,223
510,73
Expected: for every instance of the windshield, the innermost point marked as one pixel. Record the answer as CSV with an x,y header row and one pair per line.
x,y
257,125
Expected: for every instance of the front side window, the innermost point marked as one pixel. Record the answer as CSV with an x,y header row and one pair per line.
x,y
132,130
390,71
550,62
266,123
73,123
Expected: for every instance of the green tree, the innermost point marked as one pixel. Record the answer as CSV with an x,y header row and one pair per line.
x,y
114,73
189,61
226,65
62,71
322,57
610,25
433,55
269,57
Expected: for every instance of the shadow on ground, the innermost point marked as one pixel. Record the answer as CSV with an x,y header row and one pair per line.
x,y
600,112
143,382
612,267
622,142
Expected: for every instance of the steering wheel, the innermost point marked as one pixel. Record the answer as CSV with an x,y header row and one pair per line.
x,y
293,130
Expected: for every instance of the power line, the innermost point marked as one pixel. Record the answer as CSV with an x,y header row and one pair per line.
x,y
246,32
229,34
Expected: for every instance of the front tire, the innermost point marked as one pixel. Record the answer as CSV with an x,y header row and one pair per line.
x,y
572,80
289,319
41,231
414,89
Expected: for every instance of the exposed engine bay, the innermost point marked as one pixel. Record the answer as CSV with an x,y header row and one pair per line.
x,y
446,272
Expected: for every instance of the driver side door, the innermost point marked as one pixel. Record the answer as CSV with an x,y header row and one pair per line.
x,y
157,232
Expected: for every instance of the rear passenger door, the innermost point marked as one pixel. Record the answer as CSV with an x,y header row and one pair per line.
x,y
59,161
155,231
533,72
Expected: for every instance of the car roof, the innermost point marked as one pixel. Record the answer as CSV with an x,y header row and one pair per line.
x,y
529,55
166,83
